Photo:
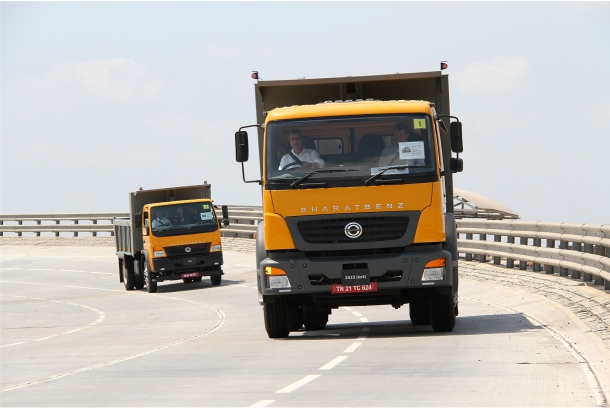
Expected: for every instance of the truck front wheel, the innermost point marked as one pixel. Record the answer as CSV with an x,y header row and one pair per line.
x,y
419,311
151,285
313,319
442,312
216,279
277,318
128,277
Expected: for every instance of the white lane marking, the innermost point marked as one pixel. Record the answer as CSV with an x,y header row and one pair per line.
x,y
364,319
261,403
120,360
298,384
14,344
347,308
219,324
362,337
602,395
102,273
353,347
101,315
333,363
357,314
71,270
48,337
40,269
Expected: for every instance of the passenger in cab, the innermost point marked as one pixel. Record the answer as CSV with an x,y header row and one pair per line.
x,y
390,156
299,156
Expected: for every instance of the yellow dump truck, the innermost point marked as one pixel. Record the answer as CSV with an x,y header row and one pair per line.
x,y
171,234
356,176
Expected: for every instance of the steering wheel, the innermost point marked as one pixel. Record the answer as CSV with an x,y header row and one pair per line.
x,y
289,165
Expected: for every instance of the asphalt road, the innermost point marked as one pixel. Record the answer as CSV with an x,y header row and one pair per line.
x,y
72,336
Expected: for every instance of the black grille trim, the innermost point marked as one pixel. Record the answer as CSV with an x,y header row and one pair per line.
x,y
332,231
196,249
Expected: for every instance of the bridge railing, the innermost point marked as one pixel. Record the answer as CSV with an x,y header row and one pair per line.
x,y
243,223
581,251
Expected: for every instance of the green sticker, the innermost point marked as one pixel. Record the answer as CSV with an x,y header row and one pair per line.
x,y
419,123
206,206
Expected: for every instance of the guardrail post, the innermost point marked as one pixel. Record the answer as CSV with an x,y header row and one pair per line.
x,y
549,269
587,277
599,250
57,223
497,238
1,223
576,246
536,266
75,232
563,271
482,257
469,256
95,232
38,222
523,264
19,223
607,283
510,263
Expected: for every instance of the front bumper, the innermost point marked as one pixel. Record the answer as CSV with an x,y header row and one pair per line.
x,y
393,273
210,262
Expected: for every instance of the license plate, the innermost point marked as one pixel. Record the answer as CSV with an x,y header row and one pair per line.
x,y
189,275
339,289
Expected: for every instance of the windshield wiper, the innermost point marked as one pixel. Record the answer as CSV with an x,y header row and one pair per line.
x,y
376,176
311,173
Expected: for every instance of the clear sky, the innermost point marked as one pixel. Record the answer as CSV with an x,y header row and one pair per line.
x,y
99,99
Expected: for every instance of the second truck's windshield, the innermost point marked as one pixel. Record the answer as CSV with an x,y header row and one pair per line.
x,y
361,147
183,219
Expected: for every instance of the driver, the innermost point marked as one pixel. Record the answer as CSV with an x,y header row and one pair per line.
x,y
160,219
308,157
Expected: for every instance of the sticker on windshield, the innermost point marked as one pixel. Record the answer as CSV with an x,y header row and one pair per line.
x,y
206,206
375,170
411,150
206,216
419,123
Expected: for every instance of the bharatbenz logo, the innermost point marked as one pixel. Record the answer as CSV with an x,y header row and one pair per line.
x,y
356,207
353,230
187,249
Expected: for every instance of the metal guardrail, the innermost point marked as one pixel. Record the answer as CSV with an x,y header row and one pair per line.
x,y
577,250
243,223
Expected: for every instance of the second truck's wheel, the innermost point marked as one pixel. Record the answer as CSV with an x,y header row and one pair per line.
x,y
216,279
419,311
277,318
442,312
151,285
139,276
197,279
128,277
187,280
313,319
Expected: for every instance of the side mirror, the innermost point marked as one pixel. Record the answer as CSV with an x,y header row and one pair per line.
x,y
225,216
456,137
241,146
138,220
456,165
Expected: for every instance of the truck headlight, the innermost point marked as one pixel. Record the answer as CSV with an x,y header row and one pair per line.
x,y
276,278
158,252
216,246
435,270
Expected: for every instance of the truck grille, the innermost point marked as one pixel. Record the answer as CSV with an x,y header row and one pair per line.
x,y
196,249
332,231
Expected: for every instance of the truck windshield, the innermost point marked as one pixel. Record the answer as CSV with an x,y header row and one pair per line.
x,y
181,219
400,146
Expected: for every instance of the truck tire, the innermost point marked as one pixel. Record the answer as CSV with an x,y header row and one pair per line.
x,y
442,312
419,311
139,276
450,245
313,319
277,318
187,280
216,279
128,278
197,279
151,285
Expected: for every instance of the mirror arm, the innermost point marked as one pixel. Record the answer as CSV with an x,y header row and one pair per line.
x,y
243,176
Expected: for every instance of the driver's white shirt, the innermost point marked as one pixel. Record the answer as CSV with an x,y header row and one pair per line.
x,y
307,155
